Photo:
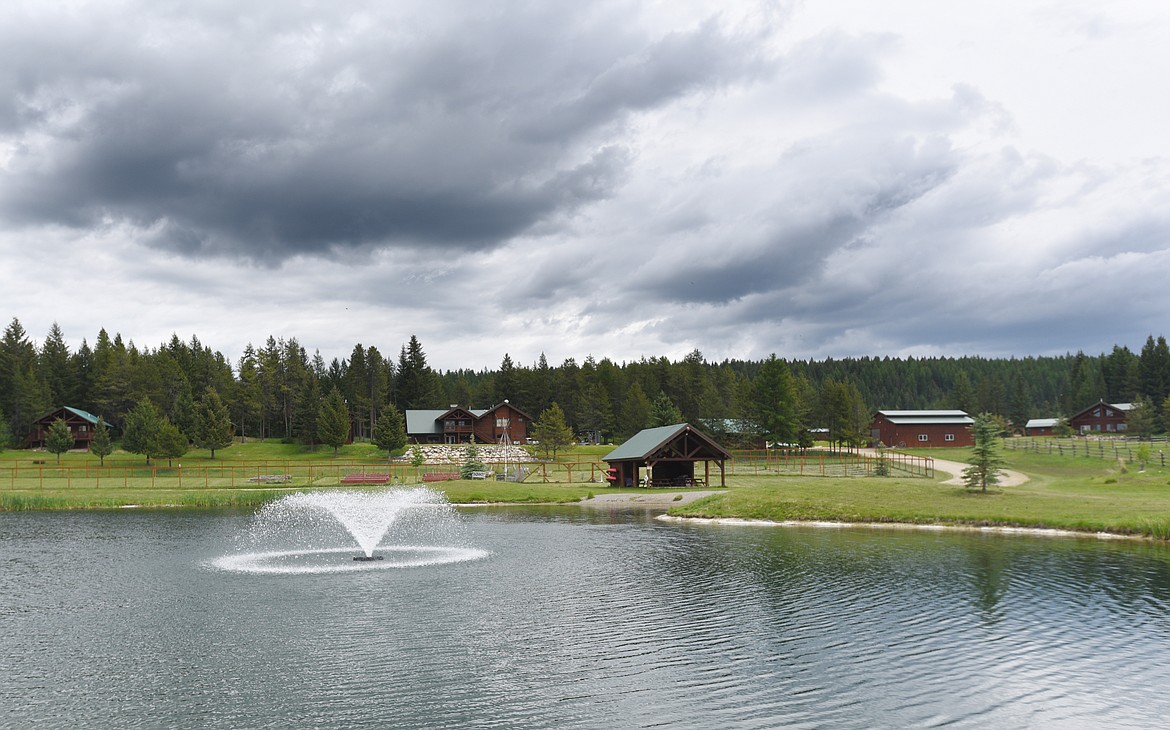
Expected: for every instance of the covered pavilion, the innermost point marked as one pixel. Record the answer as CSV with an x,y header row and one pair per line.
x,y
669,454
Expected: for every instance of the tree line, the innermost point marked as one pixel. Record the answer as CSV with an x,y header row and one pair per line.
x,y
280,390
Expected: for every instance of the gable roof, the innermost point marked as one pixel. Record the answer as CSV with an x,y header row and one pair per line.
x,y
1122,408
1041,422
643,444
84,415
927,417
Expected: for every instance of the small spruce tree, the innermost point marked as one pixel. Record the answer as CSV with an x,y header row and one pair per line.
x,y
985,459
389,432
102,445
59,438
333,421
170,442
213,426
471,461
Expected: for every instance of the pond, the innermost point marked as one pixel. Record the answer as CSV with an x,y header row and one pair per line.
x,y
580,618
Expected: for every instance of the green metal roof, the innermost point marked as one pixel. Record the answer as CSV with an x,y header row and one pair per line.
x,y
644,442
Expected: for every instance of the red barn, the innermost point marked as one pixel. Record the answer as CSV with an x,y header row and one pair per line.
x,y
908,429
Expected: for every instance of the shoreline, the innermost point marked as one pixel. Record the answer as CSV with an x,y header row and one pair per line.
x,y
1051,532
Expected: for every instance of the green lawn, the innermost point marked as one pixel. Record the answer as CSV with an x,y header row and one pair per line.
x,y
1075,493
1062,492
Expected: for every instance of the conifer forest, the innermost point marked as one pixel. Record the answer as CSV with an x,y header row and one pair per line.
x,y
277,389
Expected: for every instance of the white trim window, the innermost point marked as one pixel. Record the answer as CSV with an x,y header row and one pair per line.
x,y
949,437
923,437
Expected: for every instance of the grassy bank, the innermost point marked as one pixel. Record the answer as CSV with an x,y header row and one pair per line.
x,y
1062,493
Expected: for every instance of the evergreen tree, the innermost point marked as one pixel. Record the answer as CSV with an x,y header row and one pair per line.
x,y
635,411
663,412
213,426
308,409
143,424
471,461
985,458
170,443
5,434
55,368
552,431
59,438
775,404
416,382
390,432
102,445
505,385
333,421
1139,420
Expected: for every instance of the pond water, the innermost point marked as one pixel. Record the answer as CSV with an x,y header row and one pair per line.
x,y
579,618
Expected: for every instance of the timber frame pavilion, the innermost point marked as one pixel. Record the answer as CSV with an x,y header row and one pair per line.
x,y
669,453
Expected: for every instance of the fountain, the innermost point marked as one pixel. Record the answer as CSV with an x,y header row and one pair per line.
x,y
309,530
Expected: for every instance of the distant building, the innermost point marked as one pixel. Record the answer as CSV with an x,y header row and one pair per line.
x,y
80,423
909,429
1101,417
456,425
1041,426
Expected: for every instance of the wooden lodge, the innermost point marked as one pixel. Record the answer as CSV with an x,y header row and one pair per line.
x,y
80,423
909,429
668,454
1101,417
457,425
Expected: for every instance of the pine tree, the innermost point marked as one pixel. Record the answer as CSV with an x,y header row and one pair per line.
x,y
635,411
775,405
985,459
213,426
170,442
552,431
102,445
390,432
59,438
471,462
143,424
663,412
333,421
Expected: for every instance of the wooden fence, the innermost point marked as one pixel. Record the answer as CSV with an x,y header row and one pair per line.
x,y
1114,449
40,473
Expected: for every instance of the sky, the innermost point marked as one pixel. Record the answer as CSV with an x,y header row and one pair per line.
x,y
616,178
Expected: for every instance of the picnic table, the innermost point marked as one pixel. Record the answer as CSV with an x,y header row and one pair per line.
x,y
440,476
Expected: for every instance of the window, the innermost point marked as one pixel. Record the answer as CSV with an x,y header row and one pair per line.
x,y
503,422
923,437
949,437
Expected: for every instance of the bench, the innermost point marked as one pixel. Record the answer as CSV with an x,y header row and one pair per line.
x,y
479,475
365,479
440,476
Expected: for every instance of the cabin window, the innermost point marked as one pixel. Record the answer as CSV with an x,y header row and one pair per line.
x,y
503,422
1108,411
923,437
81,428
949,437
1097,412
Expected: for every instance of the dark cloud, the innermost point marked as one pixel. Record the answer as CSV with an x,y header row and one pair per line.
x,y
264,135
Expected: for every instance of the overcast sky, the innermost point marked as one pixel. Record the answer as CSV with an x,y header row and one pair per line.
x,y
620,179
